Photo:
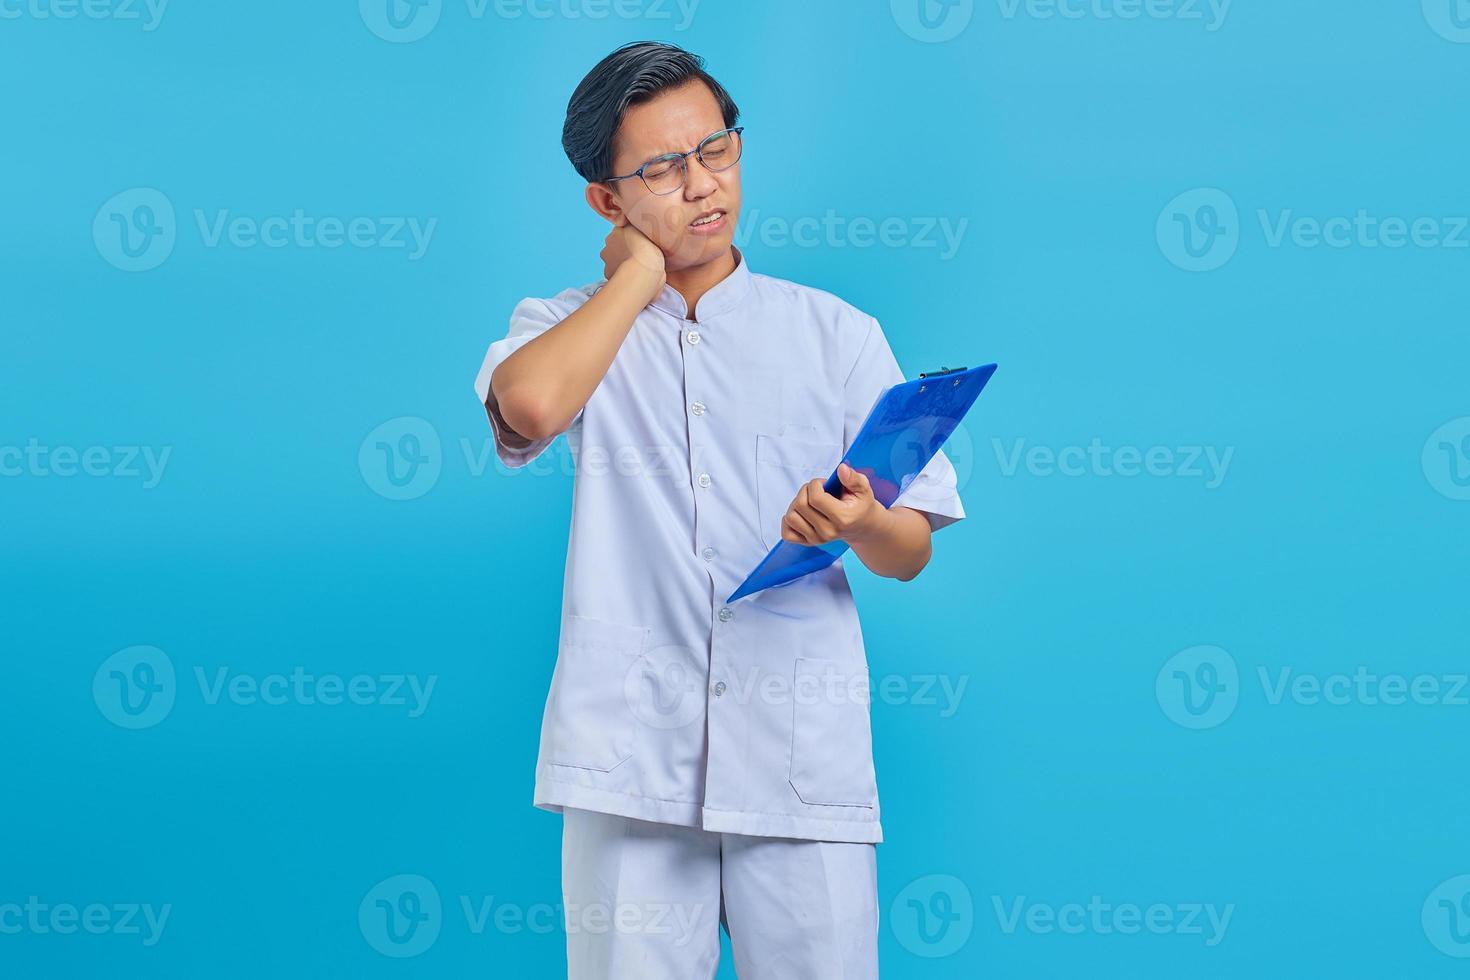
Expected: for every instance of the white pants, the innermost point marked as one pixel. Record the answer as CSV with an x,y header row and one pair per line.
x,y
644,901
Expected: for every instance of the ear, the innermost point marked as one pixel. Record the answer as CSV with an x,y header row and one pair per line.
x,y
602,199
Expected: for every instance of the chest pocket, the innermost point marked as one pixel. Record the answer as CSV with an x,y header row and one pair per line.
x,y
782,464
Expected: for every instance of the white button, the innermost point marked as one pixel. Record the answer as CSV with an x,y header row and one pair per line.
x,y
693,336
704,479
709,554
720,689
727,614
697,408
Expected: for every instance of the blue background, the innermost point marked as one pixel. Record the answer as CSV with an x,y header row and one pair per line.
x,y
1336,539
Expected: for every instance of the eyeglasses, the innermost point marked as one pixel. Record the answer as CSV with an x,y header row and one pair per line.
x,y
718,152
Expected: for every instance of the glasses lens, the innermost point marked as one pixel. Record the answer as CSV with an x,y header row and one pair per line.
x,y
721,151
665,175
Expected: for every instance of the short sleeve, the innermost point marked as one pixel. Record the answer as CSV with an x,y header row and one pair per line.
x,y
530,319
935,491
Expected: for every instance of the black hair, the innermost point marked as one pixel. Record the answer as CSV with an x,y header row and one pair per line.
x,y
631,75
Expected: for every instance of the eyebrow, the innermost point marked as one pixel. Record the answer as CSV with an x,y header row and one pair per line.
x,y
664,153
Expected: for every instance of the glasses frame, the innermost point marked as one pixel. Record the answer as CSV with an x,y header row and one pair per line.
x,y
683,162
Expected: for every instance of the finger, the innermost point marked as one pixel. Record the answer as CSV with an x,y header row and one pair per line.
x,y
823,502
808,510
854,480
795,529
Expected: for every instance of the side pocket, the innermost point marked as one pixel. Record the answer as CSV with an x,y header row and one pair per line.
x,y
590,724
831,737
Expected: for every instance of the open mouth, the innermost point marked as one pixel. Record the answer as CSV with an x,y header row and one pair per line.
x,y
713,221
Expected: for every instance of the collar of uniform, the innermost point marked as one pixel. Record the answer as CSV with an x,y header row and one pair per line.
x,y
721,298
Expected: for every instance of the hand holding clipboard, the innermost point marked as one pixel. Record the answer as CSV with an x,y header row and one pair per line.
x,y
906,427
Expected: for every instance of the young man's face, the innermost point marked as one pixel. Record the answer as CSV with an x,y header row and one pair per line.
x,y
674,122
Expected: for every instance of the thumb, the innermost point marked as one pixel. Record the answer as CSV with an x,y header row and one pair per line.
x,y
853,480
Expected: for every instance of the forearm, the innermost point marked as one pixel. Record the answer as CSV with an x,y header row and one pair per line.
x,y
897,545
541,387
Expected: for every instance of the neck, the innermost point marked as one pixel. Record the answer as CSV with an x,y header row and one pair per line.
x,y
693,282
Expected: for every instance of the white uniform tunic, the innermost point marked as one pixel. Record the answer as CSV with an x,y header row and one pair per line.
x,y
668,704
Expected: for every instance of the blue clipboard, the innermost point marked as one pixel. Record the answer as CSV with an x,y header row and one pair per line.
x,y
905,428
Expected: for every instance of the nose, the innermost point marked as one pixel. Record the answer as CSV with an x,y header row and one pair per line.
x,y
699,182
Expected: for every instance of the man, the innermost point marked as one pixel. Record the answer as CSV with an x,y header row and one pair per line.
x,y
712,761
